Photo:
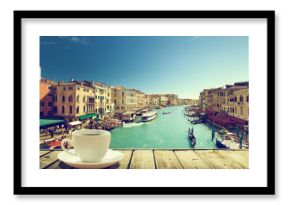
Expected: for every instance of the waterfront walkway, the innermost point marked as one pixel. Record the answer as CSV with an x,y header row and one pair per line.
x,y
165,159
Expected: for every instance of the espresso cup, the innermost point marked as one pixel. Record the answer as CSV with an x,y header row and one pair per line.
x,y
90,145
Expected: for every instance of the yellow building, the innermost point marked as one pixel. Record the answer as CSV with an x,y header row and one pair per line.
x,y
124,99
153,100
232,100
142,99
218,98
81,99
103,99
239,104
72,100
163,100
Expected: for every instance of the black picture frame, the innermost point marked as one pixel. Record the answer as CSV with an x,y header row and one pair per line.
x,y
268,190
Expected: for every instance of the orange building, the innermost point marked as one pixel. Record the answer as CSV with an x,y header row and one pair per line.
x,y
46,97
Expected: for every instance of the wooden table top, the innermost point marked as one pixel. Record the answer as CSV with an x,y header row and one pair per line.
x,y
164,159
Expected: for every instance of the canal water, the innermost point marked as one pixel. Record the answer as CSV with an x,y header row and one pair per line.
x,y
165,131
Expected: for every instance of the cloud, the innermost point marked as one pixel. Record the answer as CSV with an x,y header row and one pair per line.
x,y
194,38
77,39
44,42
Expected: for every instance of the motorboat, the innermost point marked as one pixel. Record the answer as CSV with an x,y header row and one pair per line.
x,y
164,113
128,116
148,116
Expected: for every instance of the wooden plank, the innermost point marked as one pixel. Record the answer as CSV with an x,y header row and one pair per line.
x,y
241,157
190,160
217,160
48,159
142,159
125,162
166,159
43,152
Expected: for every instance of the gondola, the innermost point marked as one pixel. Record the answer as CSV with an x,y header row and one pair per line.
x,y
191,137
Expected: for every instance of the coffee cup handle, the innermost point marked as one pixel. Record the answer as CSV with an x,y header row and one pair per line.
x,y
65,149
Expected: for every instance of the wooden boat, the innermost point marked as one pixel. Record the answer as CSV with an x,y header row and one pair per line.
x,y
164,113
191,137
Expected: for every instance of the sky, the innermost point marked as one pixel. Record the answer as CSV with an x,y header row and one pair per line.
x,y
182,65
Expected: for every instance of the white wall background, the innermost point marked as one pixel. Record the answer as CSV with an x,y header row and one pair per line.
x,y
282,98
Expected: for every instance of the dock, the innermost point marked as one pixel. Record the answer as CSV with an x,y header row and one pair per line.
x,y
164,159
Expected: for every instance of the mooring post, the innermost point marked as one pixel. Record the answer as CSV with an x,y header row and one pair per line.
x,y
241,140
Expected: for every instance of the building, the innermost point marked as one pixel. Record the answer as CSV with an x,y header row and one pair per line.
x,y
124,99
201,102
238,105
217,99
230,100
142,99
103,101
163,100
73,100
153,100
172,99
188,101
46,97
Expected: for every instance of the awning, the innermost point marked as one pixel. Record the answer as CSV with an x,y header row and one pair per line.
x,y
75,123
90,115
50,122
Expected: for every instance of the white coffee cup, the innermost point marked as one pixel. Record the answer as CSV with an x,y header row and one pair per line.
x,y
90,145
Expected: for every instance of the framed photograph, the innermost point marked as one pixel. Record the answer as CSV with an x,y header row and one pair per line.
x,y
144,102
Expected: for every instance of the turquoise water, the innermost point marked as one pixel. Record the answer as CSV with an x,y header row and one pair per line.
x,y
165,131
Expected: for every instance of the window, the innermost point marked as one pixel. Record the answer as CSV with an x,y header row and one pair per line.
x,y
63,98
55,109
241,110
62,109
84,99
123,94
55,98
70,88
41,104
49,104
247,98
70,109
115,101
84,108
91,100
241,98
41,113
49,113
77,109
70,99
64,88
78,98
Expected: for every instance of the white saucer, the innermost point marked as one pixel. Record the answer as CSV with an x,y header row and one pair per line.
x,y
110,158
